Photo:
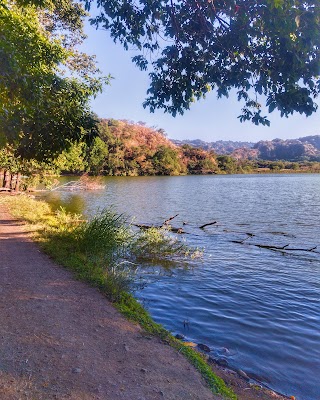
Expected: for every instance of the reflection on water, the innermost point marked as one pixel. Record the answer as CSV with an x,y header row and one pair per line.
x,y
74,203
257,308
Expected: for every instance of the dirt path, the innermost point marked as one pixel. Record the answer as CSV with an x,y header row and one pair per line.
x,y
60,339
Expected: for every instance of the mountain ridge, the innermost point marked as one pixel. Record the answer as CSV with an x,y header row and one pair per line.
x,y
303,148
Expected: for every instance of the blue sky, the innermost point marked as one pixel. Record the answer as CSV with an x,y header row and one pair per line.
x,y
209,119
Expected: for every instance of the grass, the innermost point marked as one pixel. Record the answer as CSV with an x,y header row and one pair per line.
x,y
104,252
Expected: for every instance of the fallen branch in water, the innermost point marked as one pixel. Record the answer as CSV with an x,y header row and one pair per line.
x,y
271,247
208,224
144,226
276,248
166,222
165,225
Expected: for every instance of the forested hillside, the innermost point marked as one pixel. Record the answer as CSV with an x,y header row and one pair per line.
x,y
126,148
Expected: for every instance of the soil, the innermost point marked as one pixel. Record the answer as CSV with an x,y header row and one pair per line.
x,y
61,339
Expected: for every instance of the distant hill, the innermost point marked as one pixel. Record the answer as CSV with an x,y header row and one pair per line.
x,y
303,149
314,140
306,148
219,147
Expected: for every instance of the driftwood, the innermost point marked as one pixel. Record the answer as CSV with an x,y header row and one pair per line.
x,y
177,230
271,247
276,248
165,225
78,185
145,226
168,227
172,229
208,224
166,222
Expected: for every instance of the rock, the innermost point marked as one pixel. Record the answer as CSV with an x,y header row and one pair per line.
x,y
225,350
143,370
76,370
243,374
204,347
222,362
219,361
179,336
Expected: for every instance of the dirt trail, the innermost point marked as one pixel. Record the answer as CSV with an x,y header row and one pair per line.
x,y
61,339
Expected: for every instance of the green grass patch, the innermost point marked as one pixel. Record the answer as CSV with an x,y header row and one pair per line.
x,y
104,252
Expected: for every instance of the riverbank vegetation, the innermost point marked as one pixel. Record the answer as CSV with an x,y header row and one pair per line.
x,y
103,252
123,148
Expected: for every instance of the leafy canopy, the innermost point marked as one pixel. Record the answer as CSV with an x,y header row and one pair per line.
x,y
268,50
45,82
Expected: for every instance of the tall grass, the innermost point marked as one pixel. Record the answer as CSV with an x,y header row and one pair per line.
x,y
106,245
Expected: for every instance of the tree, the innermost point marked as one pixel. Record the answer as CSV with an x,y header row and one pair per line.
x,y
97,157
227,164
72,160
267,50
41,110
166,162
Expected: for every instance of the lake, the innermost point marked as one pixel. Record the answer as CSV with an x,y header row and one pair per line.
x,y
256,307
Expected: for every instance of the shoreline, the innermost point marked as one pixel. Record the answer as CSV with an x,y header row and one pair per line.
x,y
244,388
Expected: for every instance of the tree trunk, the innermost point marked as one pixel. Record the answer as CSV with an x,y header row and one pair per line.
x,y
7,179
17,188
1,178
13,181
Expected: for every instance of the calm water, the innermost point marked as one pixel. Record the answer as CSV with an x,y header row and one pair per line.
x,y
259,309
